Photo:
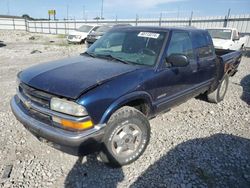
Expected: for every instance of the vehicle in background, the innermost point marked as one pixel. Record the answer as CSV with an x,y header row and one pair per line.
x,y
79,35
92,37
227,38
104,98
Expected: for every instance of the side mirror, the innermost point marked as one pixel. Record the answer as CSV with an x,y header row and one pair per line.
x,y
178,60
236,38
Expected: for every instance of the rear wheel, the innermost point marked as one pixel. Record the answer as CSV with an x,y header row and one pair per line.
x,y
219,94
126,137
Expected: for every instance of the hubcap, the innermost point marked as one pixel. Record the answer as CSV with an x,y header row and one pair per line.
x,y
126,140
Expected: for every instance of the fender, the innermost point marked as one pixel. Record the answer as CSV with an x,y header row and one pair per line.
x,y
125,99
219,73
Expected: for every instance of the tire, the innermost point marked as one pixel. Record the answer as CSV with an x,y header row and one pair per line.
x,y
83,41
242,47
219,94
126,137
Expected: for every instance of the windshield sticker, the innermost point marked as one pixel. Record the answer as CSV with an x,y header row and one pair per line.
x,y
148,35
226,31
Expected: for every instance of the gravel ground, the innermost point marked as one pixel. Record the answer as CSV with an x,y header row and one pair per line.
x,y
196,144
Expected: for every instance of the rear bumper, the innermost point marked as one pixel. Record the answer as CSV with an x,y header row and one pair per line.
x,y
75,143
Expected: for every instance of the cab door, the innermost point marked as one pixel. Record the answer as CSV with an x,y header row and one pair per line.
x,y
175,83
205,55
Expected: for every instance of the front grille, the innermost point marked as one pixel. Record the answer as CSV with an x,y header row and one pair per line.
x,y
36,115
71,36
38,97
90,37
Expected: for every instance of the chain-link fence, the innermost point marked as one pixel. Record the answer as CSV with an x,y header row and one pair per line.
x,y
241,22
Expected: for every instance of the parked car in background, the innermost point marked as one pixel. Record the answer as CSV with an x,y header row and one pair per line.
x,y
93,36
79,35
227,38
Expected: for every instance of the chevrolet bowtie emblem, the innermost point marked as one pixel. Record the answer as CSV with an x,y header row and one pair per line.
x,y
27,104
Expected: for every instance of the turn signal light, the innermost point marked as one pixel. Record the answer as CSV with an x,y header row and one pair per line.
x,y
73,124
77,125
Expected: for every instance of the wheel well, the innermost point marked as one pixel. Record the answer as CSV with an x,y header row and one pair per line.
x,y
229,71
139,104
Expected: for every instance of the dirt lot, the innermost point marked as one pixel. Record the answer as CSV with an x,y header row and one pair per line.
x,y
195,144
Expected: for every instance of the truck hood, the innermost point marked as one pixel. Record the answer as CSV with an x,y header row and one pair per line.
x,y
97,33
80,33
73,76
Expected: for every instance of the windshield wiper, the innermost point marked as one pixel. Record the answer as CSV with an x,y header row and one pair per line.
x,y
89,54
109,56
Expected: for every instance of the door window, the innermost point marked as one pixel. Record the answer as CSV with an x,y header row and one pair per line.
x,y
203,44
180,43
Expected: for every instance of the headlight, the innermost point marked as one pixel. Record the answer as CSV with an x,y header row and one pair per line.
x,y
67,107
97,37
78,36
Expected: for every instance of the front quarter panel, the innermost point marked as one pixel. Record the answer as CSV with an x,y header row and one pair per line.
x,y
104,99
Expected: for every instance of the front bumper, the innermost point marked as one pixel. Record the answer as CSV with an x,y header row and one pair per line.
x,y
74,40
75,143
91,40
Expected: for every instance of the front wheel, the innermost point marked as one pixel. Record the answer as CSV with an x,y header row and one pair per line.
x,y
126,137
219,94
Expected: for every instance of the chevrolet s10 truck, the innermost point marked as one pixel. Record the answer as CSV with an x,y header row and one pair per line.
x,y
104,98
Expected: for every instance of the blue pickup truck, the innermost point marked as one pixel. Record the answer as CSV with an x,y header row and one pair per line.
x,y
103,99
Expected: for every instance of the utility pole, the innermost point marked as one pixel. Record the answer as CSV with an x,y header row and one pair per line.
x,y
83,12
102,11
191,18
228,13
86,17
8,7
227,18
136,19
178,13
160,19
67,12
67,26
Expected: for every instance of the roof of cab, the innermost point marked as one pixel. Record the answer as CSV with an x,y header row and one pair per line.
x,y
157,28
230,28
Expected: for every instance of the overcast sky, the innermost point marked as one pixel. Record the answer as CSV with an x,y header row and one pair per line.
x,y
124,8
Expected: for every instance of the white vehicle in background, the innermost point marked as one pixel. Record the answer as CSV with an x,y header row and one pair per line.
x,y
79,35
227,38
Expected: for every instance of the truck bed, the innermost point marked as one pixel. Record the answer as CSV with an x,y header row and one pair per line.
x,y
230,59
